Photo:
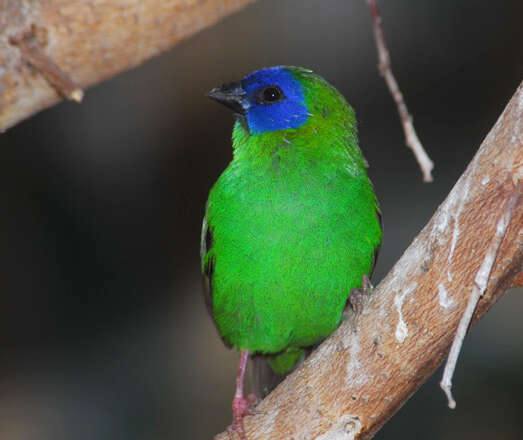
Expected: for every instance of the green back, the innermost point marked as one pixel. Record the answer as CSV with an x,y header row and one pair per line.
x,y
293,224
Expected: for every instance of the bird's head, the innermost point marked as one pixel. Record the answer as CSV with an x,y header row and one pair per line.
x,y
270,99
279,98
277,107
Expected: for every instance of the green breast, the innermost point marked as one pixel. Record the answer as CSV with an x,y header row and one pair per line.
x,y
291,238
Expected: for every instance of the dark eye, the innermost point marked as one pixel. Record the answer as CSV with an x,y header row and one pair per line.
x,y
270,95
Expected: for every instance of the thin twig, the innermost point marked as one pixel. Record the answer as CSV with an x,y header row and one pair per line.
x,y
478,289
33,53
411,138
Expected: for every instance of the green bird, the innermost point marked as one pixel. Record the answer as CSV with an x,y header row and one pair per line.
x,y
292,226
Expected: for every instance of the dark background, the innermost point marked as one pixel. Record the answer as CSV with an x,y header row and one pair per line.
x,y
103,330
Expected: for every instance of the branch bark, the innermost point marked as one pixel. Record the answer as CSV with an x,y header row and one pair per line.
x,y
362,374
86,42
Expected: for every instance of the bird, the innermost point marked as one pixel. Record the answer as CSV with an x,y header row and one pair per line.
x,y
292,227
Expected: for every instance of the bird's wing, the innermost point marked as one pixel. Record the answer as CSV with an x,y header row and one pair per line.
x,y
378,247
208,262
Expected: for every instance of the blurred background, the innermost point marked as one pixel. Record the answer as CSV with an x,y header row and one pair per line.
x,y
104,333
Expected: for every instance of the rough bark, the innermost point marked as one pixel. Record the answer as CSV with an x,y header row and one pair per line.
x,y
89,41
362,374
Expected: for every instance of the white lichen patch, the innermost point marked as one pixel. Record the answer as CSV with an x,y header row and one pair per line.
x,y
451,210
402,268
457,202
441,222
346,428
483,274
517,126
401,329
355,377
444,300
440,227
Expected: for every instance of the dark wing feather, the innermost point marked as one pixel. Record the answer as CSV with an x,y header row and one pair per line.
x,y
206,242
377,250
207,267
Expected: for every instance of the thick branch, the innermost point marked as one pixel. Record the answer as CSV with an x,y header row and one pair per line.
x,y
358,378
84,42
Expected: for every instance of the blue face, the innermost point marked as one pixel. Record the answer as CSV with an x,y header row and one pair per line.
x,y
274,100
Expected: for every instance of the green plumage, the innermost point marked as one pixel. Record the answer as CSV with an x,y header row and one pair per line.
x,y
291,226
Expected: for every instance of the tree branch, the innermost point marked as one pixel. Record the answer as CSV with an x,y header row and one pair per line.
x,y
358,378
411,137
47,47
33,53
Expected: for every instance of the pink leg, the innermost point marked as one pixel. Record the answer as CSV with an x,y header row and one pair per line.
x,y
240,405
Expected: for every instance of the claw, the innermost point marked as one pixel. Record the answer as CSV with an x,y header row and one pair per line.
x,y
253,400
357,297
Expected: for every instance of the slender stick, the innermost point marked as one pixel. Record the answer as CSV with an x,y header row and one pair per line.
x,y
478,289
411,138
34,54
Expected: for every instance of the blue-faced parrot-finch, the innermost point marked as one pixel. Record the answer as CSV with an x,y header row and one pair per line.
x,y
292,226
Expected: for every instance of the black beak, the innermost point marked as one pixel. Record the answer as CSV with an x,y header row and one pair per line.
x,y
231,95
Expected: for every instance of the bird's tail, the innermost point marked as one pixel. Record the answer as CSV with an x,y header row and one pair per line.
x,y
263,377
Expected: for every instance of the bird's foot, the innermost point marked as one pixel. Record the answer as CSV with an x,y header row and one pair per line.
x,y
357,300
357,297
241,407
253,400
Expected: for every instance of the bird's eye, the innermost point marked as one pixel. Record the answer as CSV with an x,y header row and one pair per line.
x,y
270,95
